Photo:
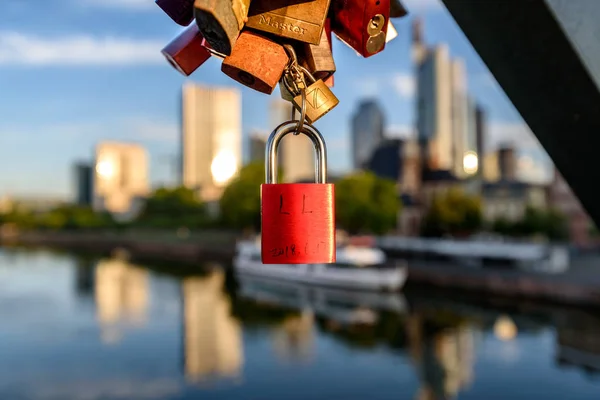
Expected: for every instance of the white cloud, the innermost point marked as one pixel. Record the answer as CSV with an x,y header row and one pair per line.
x,y
404,84
137,5
139,129
21,49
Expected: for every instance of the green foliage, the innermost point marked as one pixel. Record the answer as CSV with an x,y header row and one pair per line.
x,y
168,208
452,213
366,204
240,203
62,217
549,223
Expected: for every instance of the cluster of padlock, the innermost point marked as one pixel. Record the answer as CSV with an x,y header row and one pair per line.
x,y
264,43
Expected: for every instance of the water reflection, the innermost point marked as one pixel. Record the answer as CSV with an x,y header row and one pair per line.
x,y
212,337
164,336
121,293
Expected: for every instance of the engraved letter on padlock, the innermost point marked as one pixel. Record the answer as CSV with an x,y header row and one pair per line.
x,y
221,21
256,62
298,219
300,20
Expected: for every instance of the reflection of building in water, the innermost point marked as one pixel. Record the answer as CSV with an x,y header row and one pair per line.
x,y
294,338
84,277
444,359
505,329
212,337
121,296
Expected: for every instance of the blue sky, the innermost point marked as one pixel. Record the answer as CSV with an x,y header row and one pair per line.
x,y
81,71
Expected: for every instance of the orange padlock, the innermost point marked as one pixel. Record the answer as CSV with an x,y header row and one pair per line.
x,y
298,219
256,62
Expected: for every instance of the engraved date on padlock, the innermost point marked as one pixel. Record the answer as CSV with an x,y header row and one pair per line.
x,y
319,101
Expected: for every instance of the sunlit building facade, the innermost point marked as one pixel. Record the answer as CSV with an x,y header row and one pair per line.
x,y
211,139
121,178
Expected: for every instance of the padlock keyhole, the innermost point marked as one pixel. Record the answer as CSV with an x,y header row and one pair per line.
x,y
246,78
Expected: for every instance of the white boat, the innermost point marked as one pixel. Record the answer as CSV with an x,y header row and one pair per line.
x,y
363,268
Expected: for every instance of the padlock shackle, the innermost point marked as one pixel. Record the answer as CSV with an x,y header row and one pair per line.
x,y
273,144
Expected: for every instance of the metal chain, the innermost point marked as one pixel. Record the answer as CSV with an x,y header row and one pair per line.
x,y
294,81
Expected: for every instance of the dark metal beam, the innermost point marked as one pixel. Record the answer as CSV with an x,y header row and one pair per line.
x,y
528,53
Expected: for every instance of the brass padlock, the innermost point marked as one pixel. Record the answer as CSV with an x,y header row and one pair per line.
x,y
221,21
294,19
319,98
318,58
256,62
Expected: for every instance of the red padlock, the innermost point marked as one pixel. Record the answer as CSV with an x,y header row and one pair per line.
x,y
180,11
188,51
298,219
361,24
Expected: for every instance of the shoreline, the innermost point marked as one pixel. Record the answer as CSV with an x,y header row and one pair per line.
x,y
579,286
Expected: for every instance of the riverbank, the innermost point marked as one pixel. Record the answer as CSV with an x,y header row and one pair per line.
x,y
177,246
579,285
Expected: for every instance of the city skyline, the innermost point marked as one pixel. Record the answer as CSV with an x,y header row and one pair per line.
x,y
73,85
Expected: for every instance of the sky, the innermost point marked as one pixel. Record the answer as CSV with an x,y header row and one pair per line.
x,y
81,71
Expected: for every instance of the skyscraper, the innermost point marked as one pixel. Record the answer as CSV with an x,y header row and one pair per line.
x,y
258,141
479,136
442,111
367,132
434,109
84,178
459,115
211,141
296,152
121,178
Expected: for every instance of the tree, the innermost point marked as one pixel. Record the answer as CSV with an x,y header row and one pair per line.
x,y
176,207
366,204
452,213
240,203
556,225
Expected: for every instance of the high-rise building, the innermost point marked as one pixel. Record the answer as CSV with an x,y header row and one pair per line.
x,y
121,178
480,126
296,152
84,178
460,116
367,132
442,108
211,141
257,142
434,109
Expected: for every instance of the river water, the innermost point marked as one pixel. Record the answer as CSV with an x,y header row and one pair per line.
x,y
91,329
